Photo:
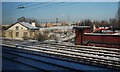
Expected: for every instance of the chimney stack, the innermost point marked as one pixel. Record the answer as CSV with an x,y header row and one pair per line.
x,y
33,24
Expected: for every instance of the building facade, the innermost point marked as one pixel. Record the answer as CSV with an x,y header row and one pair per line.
x,y
20,30
83,36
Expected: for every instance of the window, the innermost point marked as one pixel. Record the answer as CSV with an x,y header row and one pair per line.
x,y
17,28
25,33
10,34
17,34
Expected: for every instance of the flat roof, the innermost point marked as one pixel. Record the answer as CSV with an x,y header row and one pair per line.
x,y
115,34
81,27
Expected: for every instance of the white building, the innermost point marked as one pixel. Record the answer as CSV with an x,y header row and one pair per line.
x,y
21,29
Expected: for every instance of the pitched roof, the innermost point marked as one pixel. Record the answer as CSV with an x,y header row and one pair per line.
x,y
28,25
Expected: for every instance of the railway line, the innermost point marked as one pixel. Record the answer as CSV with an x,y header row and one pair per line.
x,y
62,45
89,47
35,62
103,57
73,52
54,63
80,58
84,50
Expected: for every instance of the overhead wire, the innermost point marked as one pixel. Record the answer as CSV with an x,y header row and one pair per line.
x,y
14,9
56,4
27,4
40,7
7,8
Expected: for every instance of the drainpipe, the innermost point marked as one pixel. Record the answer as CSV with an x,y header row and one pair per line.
x,y
81,31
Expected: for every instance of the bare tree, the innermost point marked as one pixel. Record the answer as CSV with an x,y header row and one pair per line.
x,y
21,19
25,38
41,37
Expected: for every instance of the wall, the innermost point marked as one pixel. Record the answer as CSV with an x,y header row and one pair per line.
x,y
103,40
77,37
21,27
80,35
11,32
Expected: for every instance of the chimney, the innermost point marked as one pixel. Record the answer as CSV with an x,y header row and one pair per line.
x,y
94,28
33,24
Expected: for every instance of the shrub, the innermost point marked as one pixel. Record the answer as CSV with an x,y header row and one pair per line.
x,y
25,38
42,37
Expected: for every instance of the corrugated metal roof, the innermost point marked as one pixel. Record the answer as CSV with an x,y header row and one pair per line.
x,y
28,25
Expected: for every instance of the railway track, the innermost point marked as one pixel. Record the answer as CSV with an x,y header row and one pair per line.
x,y
37,62
88,47
84,50
112,52
104,57
79,58
102,49
23,56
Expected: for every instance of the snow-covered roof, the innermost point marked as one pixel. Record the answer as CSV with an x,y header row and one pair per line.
x,y
28,25
118,34
58,27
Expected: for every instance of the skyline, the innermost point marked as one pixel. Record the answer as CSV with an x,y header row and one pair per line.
x,y
49,11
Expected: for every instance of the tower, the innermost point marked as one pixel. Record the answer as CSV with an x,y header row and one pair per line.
x,y
56,20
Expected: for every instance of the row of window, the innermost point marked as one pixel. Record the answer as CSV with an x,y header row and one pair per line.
x,y
17,34
17,28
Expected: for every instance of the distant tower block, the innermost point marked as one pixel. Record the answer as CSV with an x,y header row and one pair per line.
x,y
92,21
56,20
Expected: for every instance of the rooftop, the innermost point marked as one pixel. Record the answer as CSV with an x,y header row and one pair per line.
x,y
28,25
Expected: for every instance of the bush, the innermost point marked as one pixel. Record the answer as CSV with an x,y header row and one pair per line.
x,y
25,38
42,37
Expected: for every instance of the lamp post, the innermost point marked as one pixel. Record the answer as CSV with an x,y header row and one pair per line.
x,y
68,27
63,23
